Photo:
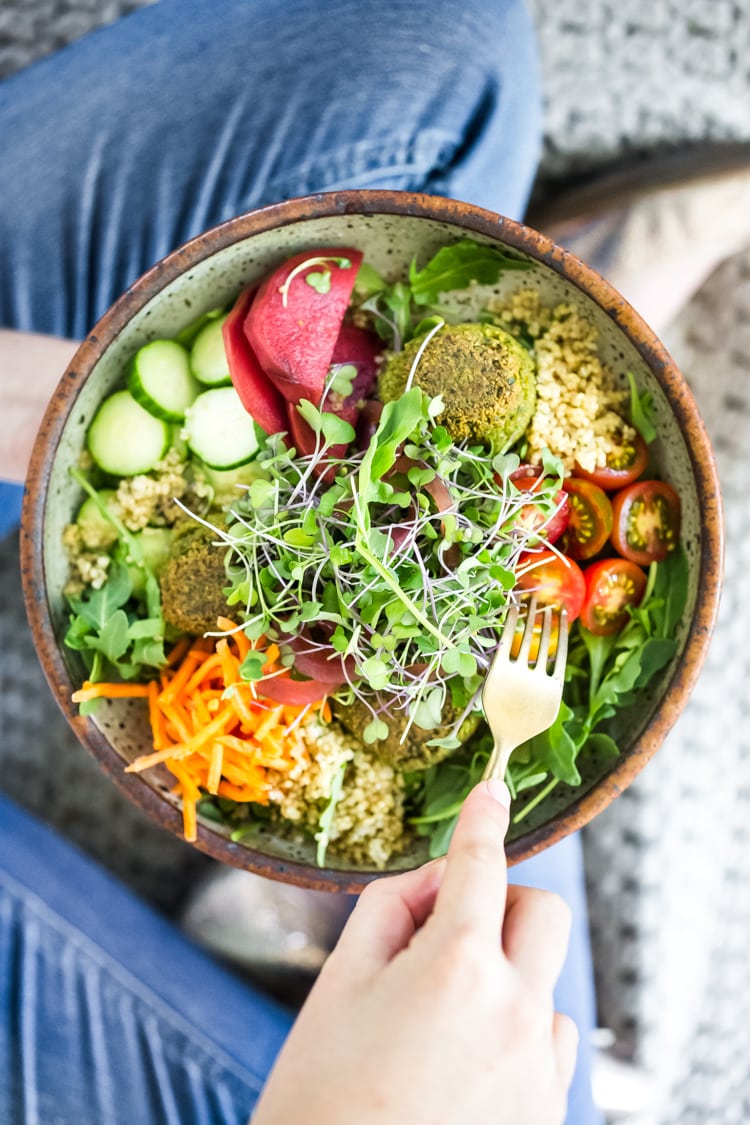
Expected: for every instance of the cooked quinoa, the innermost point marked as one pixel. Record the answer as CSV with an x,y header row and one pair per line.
x,y
89,562
147,500
580,407
368,823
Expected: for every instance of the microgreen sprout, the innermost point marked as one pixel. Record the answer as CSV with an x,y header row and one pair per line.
x,y
319,282
398,560
420,352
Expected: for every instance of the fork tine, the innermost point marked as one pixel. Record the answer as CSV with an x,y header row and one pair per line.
x,y
528,633
544,640
508,633
561,654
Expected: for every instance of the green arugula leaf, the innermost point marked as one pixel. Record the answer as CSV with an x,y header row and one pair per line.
x,y
457,266
599,650
444,788
95,607
113,639
323,835
641,411
398,421
369,281
671,589
555,750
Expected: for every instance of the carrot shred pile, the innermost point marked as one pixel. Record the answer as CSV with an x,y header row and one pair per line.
x,y
210,728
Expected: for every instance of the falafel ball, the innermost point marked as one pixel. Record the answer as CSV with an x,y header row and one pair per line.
x,y
485,376
413,753
192,582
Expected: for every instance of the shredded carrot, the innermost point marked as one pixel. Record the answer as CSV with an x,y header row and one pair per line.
x,y
212,730
177,653
109,691
214,771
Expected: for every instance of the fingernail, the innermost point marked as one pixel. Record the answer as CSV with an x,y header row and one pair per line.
x,y
498,790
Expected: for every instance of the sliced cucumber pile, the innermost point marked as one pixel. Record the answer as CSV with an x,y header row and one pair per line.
x,y
208,359
219,430
159,378
124,439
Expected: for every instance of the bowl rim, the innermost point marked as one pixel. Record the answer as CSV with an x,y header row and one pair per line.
x,y
468,219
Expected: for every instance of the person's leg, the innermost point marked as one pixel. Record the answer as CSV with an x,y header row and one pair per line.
x,y
145,133
107,1013
560,869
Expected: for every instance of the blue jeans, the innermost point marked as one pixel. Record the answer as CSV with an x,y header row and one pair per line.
x,y
116,150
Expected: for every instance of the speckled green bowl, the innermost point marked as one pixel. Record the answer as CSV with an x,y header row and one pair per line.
x,y
390,227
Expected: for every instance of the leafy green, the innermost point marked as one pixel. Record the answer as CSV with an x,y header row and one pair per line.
x,y
440,791
319,277
398,308
323,835
604,675
641,411
107,626
319,280
457,266
329,533
187,335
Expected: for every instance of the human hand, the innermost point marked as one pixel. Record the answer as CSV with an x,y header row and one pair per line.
x,y
436,1004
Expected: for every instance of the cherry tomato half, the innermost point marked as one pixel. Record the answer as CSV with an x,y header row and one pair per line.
x,y
611,586
553,580
536,637
624,465
646,521
533,517
590,522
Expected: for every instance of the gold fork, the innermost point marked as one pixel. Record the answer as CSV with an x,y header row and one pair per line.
x,y
521,698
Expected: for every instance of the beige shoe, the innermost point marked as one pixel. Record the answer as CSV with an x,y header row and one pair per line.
x,y
658,228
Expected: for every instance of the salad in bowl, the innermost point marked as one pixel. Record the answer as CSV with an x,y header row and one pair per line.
x,y
299,521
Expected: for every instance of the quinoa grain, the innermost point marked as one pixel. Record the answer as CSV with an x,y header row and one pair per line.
x,y
580,407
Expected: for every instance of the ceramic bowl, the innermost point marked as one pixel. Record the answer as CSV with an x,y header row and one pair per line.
x,y
390,227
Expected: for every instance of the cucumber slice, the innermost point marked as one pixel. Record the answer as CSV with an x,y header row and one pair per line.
x,y
156,543
159,379
219,430
208,358
178,443
187,334
228,484
124,439
96,530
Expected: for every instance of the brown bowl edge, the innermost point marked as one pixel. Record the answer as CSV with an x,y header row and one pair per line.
x,y
471,218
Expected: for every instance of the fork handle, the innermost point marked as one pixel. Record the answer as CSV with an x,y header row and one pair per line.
x,y
498,760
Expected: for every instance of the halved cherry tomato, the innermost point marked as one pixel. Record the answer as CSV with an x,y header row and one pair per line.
x,y
646,521
553,580
536,637
611,586
590,522
624,465
528,478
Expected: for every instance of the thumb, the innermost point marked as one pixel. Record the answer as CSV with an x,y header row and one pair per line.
x,y
475,885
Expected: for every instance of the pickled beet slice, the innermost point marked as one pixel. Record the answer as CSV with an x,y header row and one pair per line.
x,y
296,317
257,393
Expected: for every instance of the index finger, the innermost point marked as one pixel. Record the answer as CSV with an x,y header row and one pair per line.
x,y
475,883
